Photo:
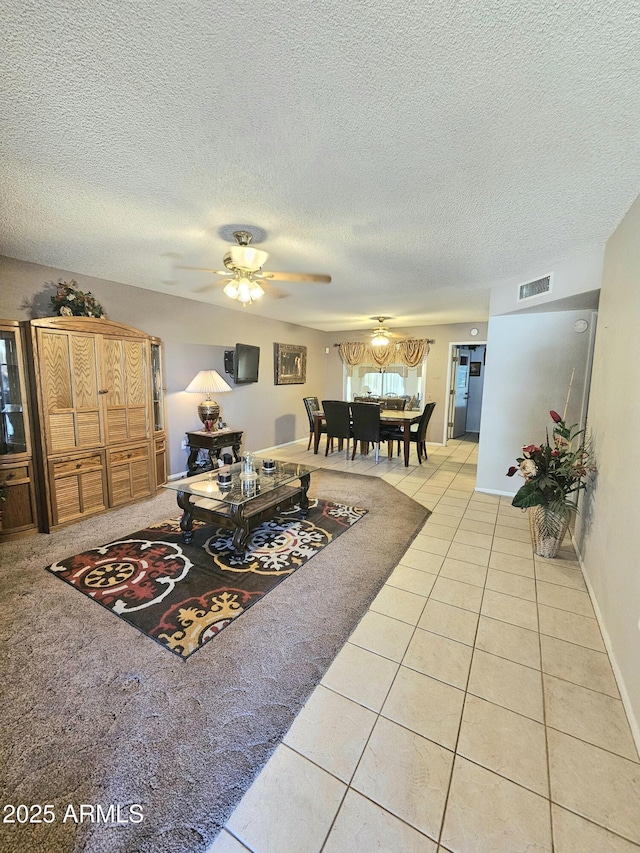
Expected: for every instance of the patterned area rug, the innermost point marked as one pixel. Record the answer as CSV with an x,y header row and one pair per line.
x,y
184,595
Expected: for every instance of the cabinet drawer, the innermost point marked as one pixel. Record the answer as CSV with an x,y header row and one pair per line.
x,y
64,467
160,445
132,454
16,474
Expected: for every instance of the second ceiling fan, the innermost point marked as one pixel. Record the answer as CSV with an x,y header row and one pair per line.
x,y
244,271
381,336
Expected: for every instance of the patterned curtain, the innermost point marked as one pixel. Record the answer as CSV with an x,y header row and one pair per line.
x,y
410,352
353,353
413,351
382,356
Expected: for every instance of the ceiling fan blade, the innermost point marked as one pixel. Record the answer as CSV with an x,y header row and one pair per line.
x,y
205,269
297,276
211,284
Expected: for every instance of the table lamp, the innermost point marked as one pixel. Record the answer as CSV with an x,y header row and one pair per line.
x,y
208,382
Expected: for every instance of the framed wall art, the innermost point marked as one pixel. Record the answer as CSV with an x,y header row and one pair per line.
x,y
290,363
475,368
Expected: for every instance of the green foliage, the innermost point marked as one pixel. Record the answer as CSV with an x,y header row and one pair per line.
x,y
71,302
554,471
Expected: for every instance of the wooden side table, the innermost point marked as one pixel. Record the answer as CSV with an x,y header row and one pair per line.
x,y
214,443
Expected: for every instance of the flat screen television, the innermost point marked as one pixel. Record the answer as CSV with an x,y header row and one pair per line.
x,y
246,360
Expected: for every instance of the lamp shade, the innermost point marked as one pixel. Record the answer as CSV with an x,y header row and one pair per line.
x,y
207,382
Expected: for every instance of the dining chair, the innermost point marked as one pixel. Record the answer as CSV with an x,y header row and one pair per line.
x,y
417,435
311,405
338,421
366,427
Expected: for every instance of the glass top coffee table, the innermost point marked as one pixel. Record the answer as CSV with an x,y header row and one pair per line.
x,y
241,504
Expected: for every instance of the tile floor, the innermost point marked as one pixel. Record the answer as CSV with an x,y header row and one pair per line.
x,y
473,709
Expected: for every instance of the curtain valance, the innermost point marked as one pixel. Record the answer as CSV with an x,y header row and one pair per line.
x,y
411,352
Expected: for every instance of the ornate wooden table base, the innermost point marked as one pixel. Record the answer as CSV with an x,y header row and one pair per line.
x,y
243,518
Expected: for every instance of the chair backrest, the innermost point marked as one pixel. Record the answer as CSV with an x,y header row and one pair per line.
x,y
366,422
423,423
311,405
336,413
396,404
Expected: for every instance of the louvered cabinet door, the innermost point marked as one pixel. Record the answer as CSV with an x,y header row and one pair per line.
x,y
68,363
78,487
125,381
130,474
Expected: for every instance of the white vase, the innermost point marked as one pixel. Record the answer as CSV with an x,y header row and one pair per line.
x,y
548,529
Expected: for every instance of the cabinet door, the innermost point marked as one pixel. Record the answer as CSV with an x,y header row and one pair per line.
x,y
71,402
130,474
160,446
14,423
125,380
17,510
157,385
78,487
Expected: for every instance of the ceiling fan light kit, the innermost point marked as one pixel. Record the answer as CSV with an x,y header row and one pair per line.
x,y
379,340
244,289
381,335
246,264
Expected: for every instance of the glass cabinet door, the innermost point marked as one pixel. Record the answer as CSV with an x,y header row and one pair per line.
x,y
158,390
12,415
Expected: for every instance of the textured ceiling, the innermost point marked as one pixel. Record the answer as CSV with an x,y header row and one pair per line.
x,y
417,153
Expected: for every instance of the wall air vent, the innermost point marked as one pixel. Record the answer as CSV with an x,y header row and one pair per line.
x,y
534,288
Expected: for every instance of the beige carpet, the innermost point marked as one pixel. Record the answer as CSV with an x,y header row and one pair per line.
x,y
96,713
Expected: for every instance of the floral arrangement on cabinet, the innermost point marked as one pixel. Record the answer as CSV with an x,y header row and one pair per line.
x,y
554,473
68,301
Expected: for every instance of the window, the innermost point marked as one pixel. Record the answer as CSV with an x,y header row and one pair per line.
x,y
395,380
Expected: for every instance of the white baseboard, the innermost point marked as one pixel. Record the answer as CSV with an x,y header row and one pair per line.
x,y
264,450
495,492
179,476
617,672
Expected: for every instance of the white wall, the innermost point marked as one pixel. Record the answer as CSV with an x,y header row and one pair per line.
x,y
580,273
530,358
194,336
607,530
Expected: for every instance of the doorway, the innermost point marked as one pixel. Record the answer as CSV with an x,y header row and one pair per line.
x,y
467,364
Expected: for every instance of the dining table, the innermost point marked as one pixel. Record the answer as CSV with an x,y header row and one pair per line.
x,y
388,417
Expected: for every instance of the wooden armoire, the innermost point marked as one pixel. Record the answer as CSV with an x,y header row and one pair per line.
x,y
99,416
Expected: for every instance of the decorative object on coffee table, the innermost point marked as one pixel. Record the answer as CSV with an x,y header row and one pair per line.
x,y
208,382
554,474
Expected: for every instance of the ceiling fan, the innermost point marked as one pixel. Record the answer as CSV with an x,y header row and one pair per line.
x,y
381,336
244,263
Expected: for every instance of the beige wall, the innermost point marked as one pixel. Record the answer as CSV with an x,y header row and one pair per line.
x,y
607,529
195,336
437,363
